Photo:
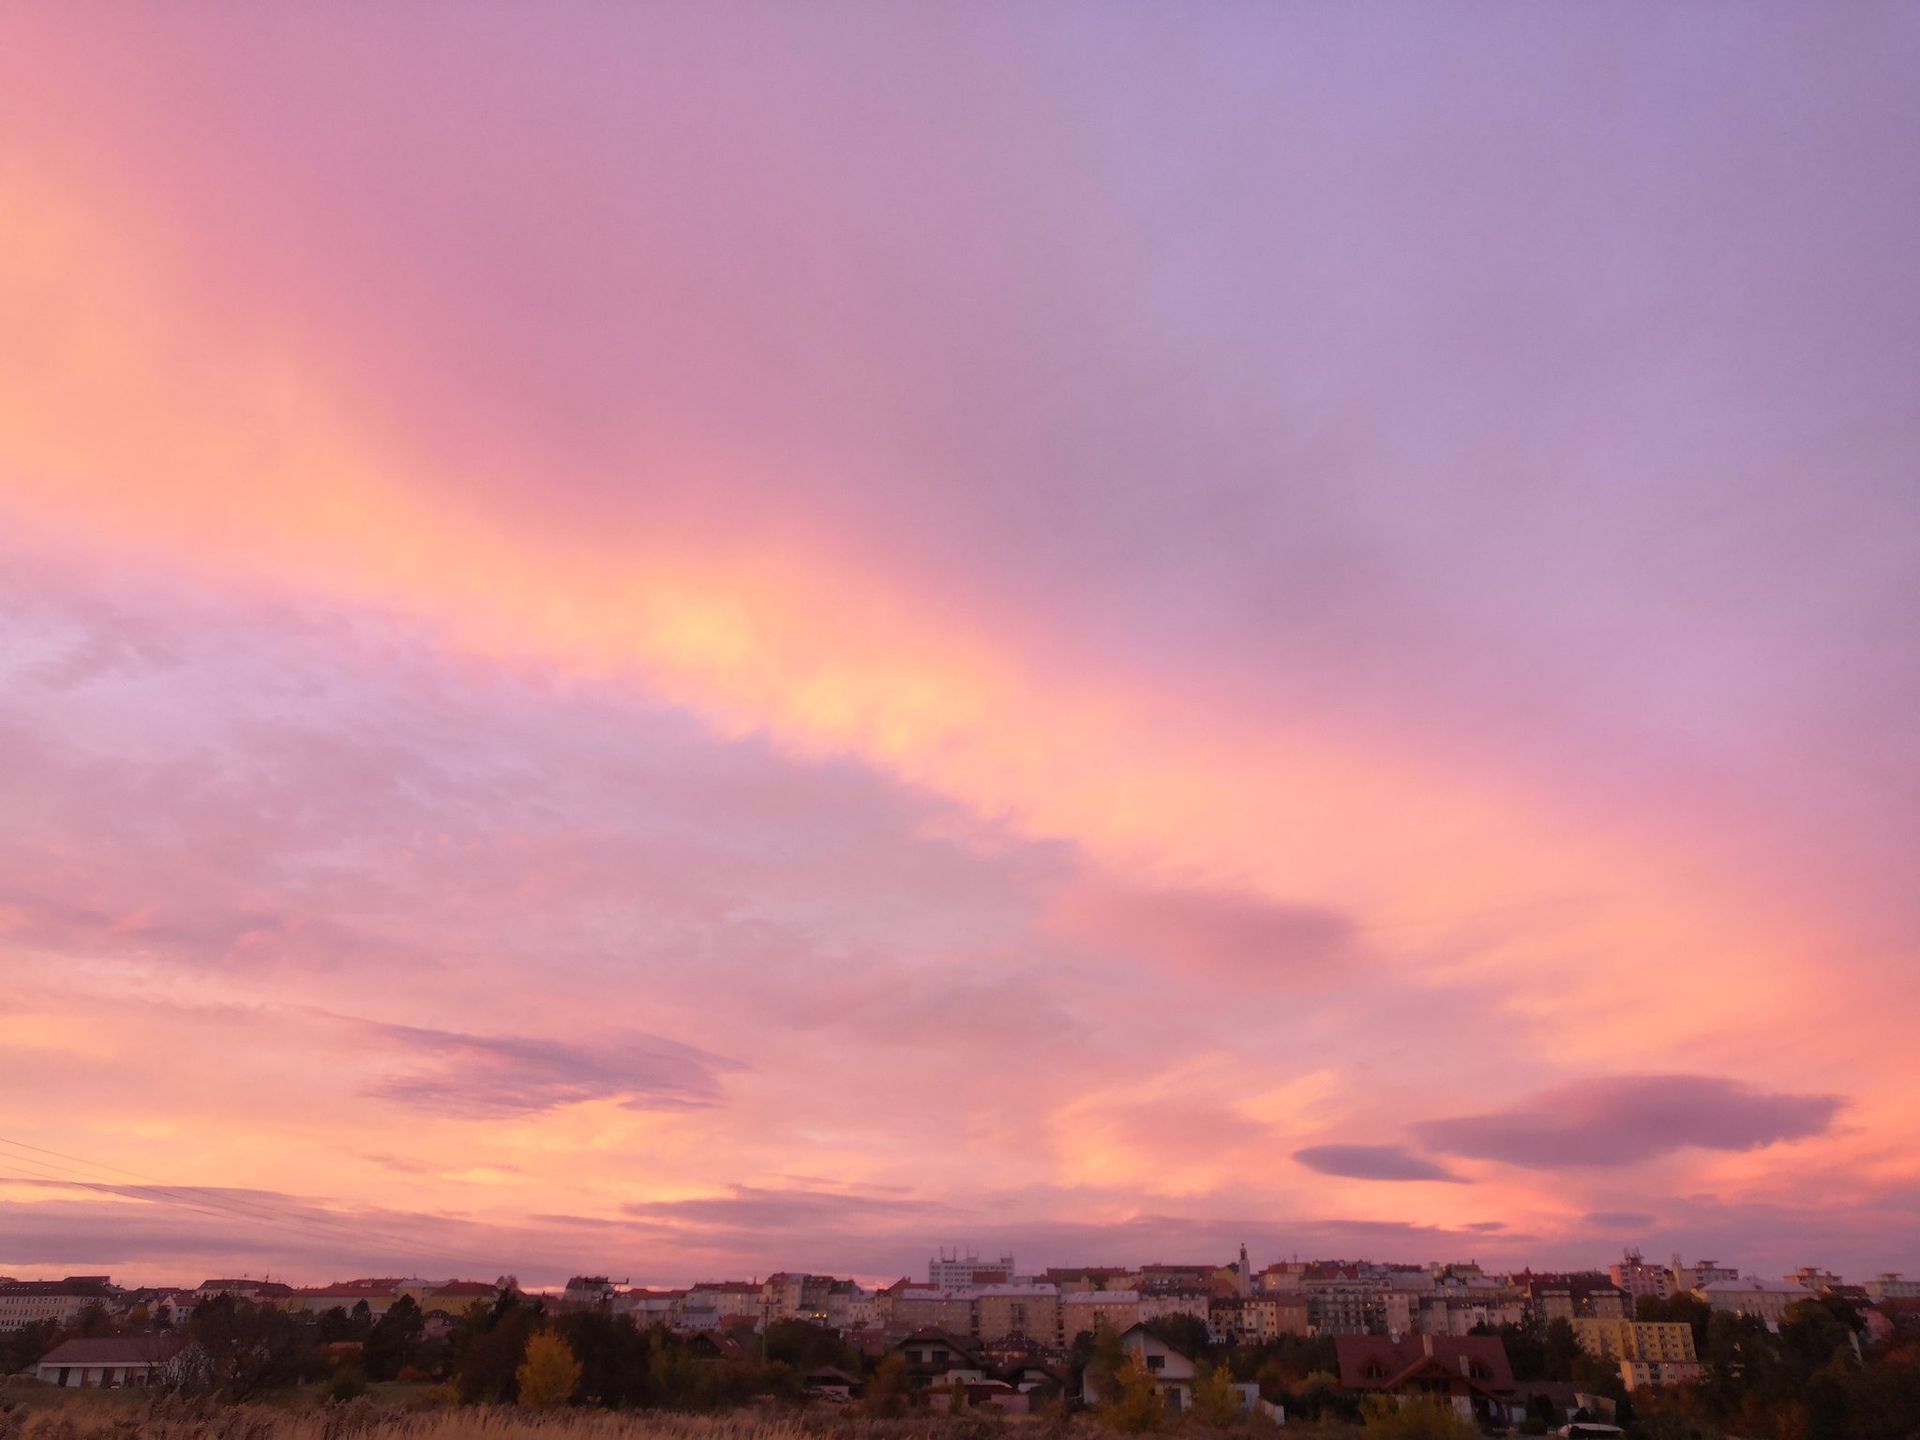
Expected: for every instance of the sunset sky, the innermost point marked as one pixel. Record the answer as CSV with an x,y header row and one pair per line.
x,y
689,639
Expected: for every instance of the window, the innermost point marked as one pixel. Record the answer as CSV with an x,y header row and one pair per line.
x,y
1156,1362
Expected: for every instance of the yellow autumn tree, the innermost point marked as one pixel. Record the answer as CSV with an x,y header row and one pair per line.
x,y
1215,1402
549,1373
1136,1406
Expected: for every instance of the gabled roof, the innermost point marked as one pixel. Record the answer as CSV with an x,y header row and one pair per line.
x,y
1374,1362
960,1345
116,1350
1147,1331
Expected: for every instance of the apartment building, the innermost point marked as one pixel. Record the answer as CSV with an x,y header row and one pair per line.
x,y
1635,1277
950,1270
1890,1286
32,1302
1762,1299
1093,1310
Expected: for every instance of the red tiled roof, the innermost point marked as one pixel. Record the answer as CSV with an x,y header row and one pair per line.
x,y
1373,1362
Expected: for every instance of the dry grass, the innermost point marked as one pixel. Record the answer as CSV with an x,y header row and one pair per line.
x,y
120,1417
74,1415
176,1419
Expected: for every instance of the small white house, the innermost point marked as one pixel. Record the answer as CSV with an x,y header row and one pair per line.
x,y
1172,1371
113,1362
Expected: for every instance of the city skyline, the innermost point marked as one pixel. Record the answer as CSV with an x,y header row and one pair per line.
x,y
670,637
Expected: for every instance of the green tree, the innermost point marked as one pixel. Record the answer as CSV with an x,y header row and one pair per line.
x,y
22,1348
1560,1349
549,1373
241,1348
614,1358
93,1321
334,1324
806,1346
1186,1333
392,1339
489,1346
1318,1394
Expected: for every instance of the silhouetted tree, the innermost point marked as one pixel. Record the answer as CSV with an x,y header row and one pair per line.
x,y
392,1339
614,1358
240,1348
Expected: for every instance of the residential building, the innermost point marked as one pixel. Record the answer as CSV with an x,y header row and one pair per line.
x,y
1172,1370
132,1360
1816,1281
1890,1286
1469,1372
1636,1278
650,1307
456,1297
1086,1311
1158,1279
906,1307
1196,1303
1568,1297
714,1305
935,1357
1345,1300
1027,1312
379,1296
1762,1299
950,1270
1703,1272
795,1296
584,1292
1282,1275
850,1306
32,1302
1088,1277
1649,1353
1656,1374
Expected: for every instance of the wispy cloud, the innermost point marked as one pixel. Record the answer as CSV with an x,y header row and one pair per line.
x,y
1621,1119
481,1075
1373,1162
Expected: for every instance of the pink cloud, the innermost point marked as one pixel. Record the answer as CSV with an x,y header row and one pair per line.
x,y
1256,585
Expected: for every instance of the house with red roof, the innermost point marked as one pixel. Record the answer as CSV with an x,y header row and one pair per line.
x,y
1469,1372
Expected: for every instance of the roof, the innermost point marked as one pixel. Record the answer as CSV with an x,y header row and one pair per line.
x,y
1147,1331
959,1344
1398,1361
116,1350
1753,1285
89,1286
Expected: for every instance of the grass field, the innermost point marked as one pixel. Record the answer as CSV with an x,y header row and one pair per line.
x,y
398,1413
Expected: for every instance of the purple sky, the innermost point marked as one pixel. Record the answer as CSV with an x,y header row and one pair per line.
x,y
694,640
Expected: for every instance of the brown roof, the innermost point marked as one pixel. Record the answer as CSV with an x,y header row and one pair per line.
x,y
1373,1362
116,1350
